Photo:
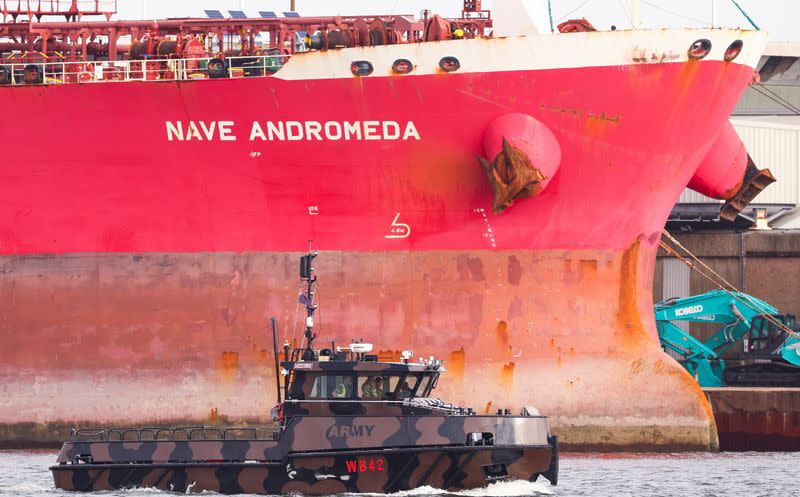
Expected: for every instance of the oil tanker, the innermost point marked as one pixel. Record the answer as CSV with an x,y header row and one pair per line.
x,y
479,191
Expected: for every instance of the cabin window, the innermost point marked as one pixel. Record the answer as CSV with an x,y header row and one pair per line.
x,y
417,383
332,387
423,385
377,387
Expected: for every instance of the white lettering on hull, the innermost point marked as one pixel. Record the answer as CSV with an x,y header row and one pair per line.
x,y
294,131
398,229
201,131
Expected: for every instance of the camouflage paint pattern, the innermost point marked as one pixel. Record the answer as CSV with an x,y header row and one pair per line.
x,y
449,468
312,433
323,455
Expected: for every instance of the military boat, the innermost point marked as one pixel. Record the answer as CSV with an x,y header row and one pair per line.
x,y
345,421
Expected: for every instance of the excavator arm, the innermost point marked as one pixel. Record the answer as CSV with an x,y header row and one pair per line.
x,y
702,362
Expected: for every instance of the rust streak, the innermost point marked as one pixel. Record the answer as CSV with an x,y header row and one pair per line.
x,y
508,376
502,333
228,366
455,364
628,318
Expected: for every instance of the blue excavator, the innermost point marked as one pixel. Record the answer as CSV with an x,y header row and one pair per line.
x,y
771,349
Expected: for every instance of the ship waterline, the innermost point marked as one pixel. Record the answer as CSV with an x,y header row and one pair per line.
x,y
138,272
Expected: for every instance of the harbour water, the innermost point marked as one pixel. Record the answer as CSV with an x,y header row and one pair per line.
x,y
25,474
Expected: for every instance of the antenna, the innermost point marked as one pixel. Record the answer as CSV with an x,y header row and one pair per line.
x,y
307,298
277,363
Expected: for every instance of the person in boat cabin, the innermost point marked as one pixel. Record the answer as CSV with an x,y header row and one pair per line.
x,y
378,387
405,391
368,389
372,388
340,392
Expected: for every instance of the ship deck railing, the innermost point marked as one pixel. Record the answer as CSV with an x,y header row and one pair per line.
x,y
12,72
172,434
58,7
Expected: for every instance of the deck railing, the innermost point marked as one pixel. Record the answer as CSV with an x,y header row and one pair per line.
x,y
59,6
181,433
13,72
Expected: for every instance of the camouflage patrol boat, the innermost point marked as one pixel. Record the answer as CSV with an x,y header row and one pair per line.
x,y
347,423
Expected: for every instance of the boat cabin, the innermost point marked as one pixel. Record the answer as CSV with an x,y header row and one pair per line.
x,y
353,382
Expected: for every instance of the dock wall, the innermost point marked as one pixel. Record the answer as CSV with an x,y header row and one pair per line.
x,y
756,419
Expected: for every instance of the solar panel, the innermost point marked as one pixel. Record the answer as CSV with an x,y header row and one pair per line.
x,y
237,14
214,14
291,14
267,15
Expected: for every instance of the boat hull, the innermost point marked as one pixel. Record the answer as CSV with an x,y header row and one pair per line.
x,y
384,471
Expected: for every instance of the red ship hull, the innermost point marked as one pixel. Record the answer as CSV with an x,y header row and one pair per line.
x,y
139,267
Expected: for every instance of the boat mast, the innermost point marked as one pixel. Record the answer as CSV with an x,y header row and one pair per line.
x,y
277,357
307,298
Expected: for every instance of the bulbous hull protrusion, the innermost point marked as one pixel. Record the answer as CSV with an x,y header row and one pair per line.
x,y
728,173
722,170
526,156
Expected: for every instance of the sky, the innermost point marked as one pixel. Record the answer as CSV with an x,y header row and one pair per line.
x,y
778,17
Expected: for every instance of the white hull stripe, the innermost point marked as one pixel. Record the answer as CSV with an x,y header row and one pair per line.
x,y
533,52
